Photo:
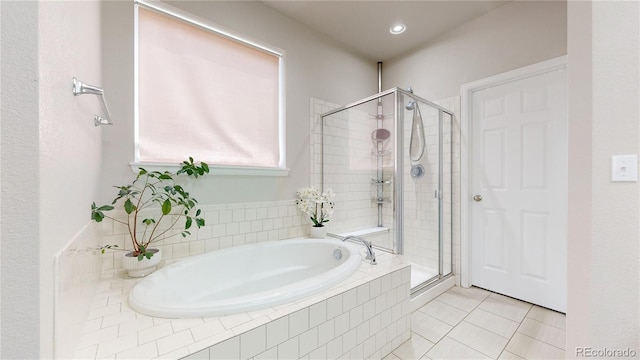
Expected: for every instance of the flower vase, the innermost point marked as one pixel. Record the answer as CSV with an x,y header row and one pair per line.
x,y
318,232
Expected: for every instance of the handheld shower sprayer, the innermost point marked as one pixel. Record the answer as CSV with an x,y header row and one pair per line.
x,y
417,139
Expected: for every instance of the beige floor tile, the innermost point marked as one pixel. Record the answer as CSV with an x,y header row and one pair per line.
x,y
509,356
548,317
507,299
429,328
391,357
479,339
413,348
472,292
458,300
448,348
512,310
494,323
475,323
543,332
530,348
444,312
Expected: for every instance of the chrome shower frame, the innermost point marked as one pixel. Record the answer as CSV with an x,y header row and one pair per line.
x,y
398,170
379,172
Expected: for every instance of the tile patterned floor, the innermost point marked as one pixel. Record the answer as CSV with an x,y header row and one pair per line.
x,y
478,324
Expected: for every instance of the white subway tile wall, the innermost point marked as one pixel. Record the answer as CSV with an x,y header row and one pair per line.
x,y
226,225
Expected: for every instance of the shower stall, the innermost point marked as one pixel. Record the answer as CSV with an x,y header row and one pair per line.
x,y
388,158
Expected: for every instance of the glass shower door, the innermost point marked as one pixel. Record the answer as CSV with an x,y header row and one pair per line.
x,y
421,174
427,191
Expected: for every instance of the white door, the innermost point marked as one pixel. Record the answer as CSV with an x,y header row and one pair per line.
x,y
519,169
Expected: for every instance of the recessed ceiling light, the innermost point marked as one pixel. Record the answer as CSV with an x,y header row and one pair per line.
x,y
398,29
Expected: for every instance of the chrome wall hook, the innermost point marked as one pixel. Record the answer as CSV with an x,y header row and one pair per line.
x,y
80,88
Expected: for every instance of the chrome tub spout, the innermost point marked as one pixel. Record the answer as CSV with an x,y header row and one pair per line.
x,y
367,244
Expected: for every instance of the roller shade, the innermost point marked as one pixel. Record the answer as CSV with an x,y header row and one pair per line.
x,y
204,95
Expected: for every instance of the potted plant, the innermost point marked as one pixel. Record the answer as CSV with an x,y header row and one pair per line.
x,y
318,206
154,205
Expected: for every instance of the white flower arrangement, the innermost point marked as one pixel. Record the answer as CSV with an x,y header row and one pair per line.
x,y
318,206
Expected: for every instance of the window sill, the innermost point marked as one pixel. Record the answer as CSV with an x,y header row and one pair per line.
x,y
218,170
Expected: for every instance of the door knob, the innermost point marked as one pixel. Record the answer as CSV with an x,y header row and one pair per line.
x,y
477,197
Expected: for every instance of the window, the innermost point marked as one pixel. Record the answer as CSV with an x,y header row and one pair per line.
x,y
205,93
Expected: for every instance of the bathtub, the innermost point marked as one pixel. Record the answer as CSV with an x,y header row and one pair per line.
x,y
244,278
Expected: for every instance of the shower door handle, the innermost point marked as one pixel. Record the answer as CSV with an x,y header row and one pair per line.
x,y
477,197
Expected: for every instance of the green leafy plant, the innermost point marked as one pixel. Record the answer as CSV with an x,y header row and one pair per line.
x,y
154,192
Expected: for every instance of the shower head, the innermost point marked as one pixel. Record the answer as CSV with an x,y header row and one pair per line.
x,y
410,105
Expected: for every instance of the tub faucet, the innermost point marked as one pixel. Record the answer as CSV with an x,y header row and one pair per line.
x,y
367,244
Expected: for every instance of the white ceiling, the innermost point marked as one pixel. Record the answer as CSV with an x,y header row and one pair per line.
x,y
364,25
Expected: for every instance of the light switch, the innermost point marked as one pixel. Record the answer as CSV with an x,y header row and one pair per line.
x,y
624,168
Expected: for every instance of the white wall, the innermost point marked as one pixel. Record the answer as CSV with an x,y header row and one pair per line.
x,y
70,144
51,153
20,180
580,186
604,217
315,67
616,206
514,35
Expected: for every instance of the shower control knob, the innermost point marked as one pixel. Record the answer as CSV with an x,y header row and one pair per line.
x,y
417,171
477,197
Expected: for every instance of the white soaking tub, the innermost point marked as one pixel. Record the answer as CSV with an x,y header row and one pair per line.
x,y
244,278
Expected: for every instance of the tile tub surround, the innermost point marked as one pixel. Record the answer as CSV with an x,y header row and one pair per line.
x,y
79,265
366,315
77,271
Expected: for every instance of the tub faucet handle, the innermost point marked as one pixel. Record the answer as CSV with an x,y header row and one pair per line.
x,y
367,244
